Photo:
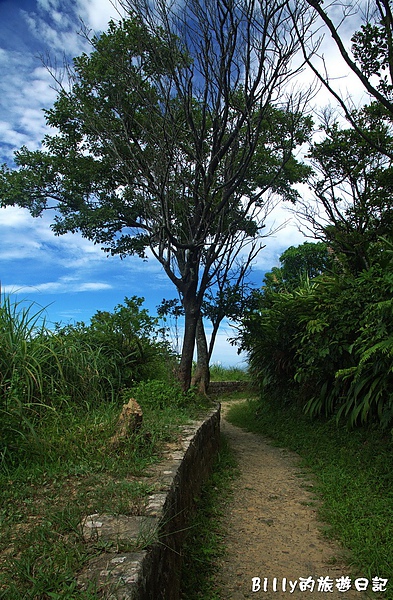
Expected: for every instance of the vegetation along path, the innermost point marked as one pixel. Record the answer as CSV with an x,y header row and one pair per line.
x,y
272,533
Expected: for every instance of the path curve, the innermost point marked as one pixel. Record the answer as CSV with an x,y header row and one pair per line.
x,y
271,526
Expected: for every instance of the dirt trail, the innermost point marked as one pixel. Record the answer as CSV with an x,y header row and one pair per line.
x,y
272,530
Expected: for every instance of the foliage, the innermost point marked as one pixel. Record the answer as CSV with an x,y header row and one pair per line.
x,y
127,338
38,367
352,185
305,261
372,53
157,394
78,365
21,352
169,137
269,335
300,263
328,344
370,380
271,322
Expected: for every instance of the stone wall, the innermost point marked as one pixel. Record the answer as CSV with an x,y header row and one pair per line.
x,y
222,387
126,572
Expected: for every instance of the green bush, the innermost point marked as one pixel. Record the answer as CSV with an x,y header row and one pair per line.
x,y
270,333
157,395
79,365
328,344
126,340
369,383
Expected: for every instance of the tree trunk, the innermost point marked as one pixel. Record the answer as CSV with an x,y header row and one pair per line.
x,y
201,377
216,326
191,313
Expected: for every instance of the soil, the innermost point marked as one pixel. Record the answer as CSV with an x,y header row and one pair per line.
x,y
272,531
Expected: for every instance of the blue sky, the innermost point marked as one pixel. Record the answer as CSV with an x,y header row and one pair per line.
x,y
68,274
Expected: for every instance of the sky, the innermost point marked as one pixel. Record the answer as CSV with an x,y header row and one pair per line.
x,y
68,275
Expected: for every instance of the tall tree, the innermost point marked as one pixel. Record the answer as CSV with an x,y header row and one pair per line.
x,y
225,298
368,54
170,134
298,263
353,186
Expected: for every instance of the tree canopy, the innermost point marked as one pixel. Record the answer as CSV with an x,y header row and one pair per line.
x,y
298,263
325,343
352,187
168,136
369,55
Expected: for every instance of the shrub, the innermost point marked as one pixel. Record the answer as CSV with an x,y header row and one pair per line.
x,y
127,340
270,334
157,394
328,344
75,365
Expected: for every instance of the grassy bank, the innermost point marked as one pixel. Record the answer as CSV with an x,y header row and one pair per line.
x,y
204,546
61,393
353,469
64,470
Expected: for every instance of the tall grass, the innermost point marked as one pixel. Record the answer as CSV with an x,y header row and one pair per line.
x,y
41,370
23,356
220,373
22,353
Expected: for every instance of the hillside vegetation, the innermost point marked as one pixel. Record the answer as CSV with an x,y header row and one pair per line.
x,y
326,343
61,393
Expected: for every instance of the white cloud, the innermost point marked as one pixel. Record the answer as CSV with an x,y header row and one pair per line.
x,y
58,24
14,216
93,286
26,84
328,58
12,138
25,92
49,4
34,261
62,286
57,30
283,239
24,238
99,12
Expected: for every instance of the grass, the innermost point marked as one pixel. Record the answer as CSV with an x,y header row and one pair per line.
x,y
220,373
58,411
205,545
354,479
65,471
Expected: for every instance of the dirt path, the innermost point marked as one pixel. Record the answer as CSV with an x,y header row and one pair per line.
x,y
272,529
